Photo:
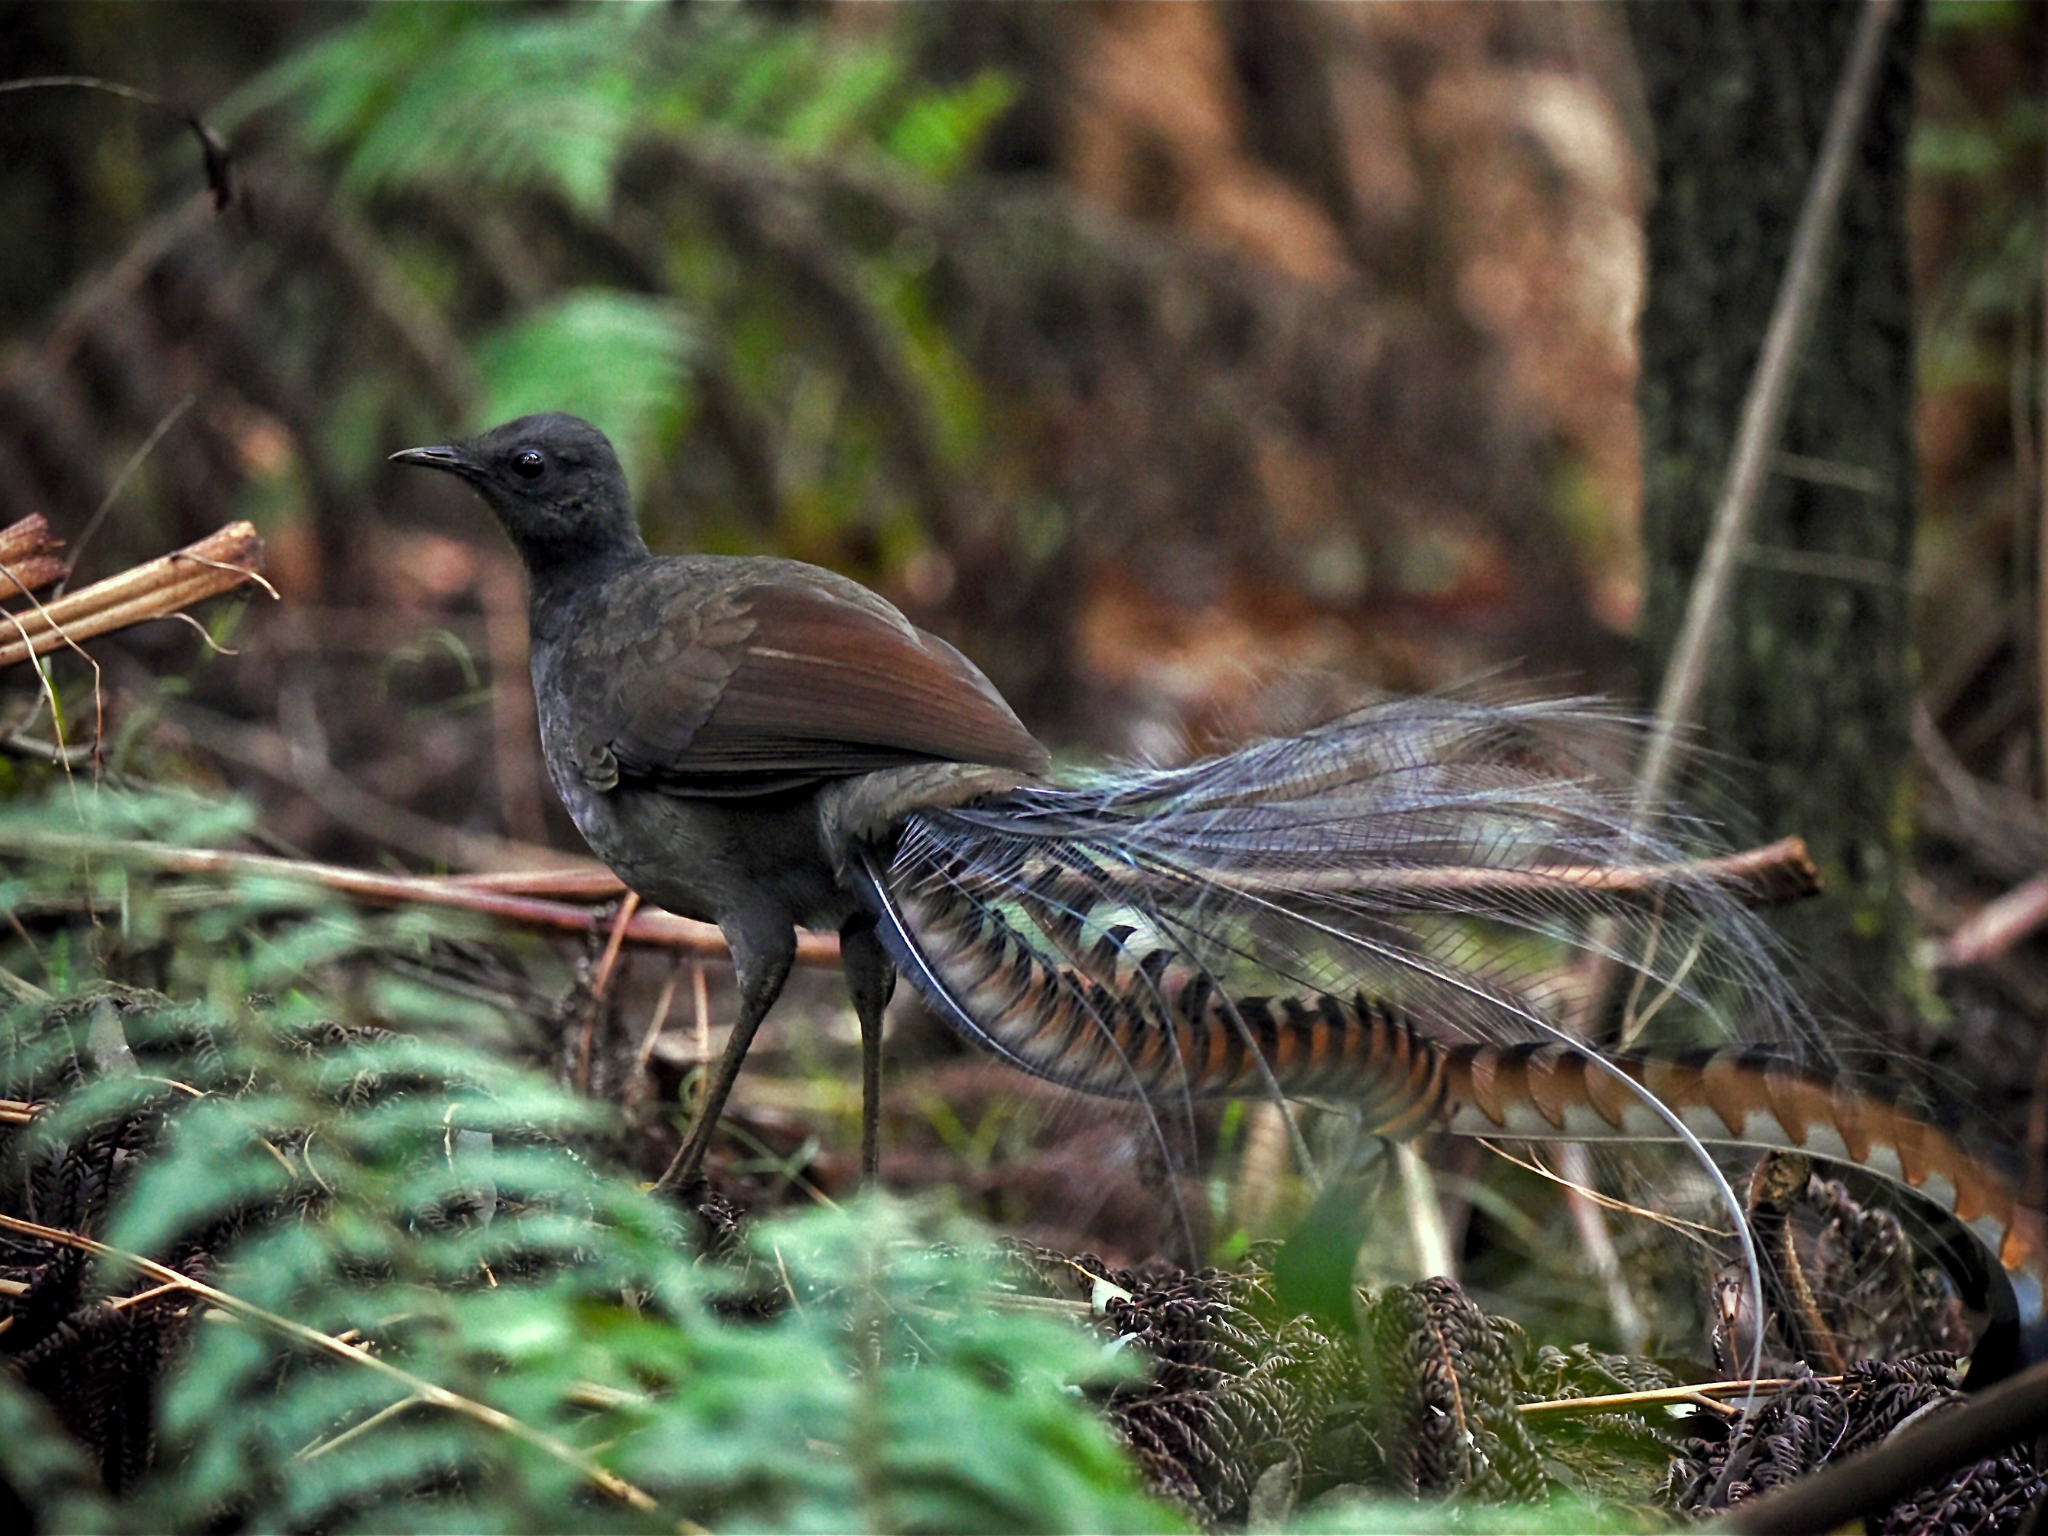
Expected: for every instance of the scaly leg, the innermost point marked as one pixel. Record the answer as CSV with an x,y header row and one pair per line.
x,y
871,979
762,953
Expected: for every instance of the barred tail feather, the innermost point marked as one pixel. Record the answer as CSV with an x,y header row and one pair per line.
x,y
1746,1099
1387,914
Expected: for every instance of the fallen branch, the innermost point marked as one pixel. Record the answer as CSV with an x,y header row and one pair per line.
x,y
1759,877
497,896
156,589
1997,926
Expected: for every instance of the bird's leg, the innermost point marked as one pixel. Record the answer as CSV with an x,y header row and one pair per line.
x,y
762,953
871,979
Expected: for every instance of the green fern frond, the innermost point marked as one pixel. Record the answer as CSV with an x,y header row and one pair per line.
x,y
421,1297
464,96
46,1478
439,95
617,359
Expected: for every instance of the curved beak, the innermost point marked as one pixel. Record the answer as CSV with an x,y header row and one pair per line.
x,y
452,459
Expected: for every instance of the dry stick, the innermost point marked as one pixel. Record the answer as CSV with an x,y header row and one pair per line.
x,y
1755,452
1918,1455
1997,926
18,578
658,1020
600,984
1767,876
218,563
590,881
602,981
419,1386
700,1035
649,926
30,536
1763,409
28,557
1704,1391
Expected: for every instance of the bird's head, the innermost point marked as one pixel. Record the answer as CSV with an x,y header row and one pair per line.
x,y
553,481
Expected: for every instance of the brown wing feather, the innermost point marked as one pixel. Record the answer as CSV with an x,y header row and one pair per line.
x,y
759,674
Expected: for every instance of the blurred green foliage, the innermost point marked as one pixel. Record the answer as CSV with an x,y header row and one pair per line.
x,y
614,358
537,118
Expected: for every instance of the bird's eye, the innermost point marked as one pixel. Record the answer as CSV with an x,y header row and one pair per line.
x,y
528,463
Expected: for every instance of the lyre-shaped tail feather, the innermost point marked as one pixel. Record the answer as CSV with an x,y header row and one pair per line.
x,y
1174,1034
1376,915
1738,1098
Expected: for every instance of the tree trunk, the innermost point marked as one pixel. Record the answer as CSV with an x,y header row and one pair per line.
x,y
1804,720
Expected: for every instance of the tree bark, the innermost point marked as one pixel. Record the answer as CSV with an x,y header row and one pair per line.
x,y
1804,720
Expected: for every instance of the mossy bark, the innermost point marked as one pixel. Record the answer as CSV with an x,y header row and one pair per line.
x,y
1805,717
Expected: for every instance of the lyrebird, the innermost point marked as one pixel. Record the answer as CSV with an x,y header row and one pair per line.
x,y
1353,915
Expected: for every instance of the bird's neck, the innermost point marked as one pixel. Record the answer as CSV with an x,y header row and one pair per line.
x,y
555,578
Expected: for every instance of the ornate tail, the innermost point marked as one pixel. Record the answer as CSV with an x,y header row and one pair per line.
x,y
1385,914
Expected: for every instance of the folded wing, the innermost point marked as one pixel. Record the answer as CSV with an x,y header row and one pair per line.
x,y
715,687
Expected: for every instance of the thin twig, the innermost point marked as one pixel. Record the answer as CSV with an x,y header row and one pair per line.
x,y
127,473
1997,925
213,150
608,962
1763,410
1750,462
600,984
1653,1397
318,1448
658,1020
35,749
700,1034
649,925
125,1302
1693,1231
